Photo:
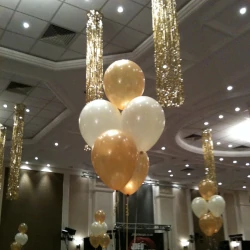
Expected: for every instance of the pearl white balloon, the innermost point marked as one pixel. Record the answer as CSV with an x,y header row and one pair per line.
x,y
144,120
97,117
199,206
96,228
104,227
216,205
21,238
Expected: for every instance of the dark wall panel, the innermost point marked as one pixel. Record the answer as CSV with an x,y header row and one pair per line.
x,y
40,206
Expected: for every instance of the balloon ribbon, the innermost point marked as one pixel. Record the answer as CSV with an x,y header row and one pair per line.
x,y
127,214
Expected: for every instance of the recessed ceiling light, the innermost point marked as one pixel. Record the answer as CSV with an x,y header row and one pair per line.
x,y
218,143
230,145
188,173
237,109
206,169
171,175
120,9
229,88
26,162
247,164
48,165
243,10
221,159
169,171
36,158
163,148
26,25
248,176
221,116
234,162
244,187
220,183
56,144
27,110
187,165
206,123
5,106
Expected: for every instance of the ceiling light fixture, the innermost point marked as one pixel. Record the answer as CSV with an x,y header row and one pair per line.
x,y
26,25
230,145
229,88
27,110
120,9
243,10
241,131
218,143
221,116
169,171
27,162
206,123
244,187
25,167
248,176
221,159
56,144
220,183
171,175
48,165
163,148
237,109
247,164
188,173
46,170
5,106
36,158
187,165
234,162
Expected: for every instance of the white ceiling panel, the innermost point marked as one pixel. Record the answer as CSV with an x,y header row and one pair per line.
x,y
71,55
3,84
113,49
129,38
79,45
5,114
131,9
44,9
9,3
48,51
5,16
71,18
12,97
34,102
143,2
110,29
55,106
42,93
35,30
10,39
87,5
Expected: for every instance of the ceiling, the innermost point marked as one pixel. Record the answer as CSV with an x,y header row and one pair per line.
x,y
215,54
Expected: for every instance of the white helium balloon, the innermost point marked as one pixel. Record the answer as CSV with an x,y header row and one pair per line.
x,y
104,227
97,117
216,205
96,228
144,120
21,238
199,206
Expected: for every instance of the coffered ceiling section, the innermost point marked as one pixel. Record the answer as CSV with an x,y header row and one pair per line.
x,y
55,29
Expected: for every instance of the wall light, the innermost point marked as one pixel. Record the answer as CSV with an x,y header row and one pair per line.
x,y
241,131
46,170
78,241
184,244
235,244
24,167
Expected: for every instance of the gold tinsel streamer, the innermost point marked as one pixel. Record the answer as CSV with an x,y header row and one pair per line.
x,y
2,144
169,83
208,150
16,153
94,57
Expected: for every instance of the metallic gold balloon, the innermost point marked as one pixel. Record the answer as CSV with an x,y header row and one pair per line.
x,y
123,81
114,158
23,228
94,240
219,223
209,224
104,240
15,246
140,174
207,189
100,216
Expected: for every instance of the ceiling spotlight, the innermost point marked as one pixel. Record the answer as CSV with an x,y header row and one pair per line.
x,y
247,164
234,162
56,144
171,175
237,109
26,25
206,173
5,106
248,176
243,10
27,110
163,148
221,159
206,169
218,143
221,116
188,173
206,123
187,165
48,165
230,145
26,162
244,187
169,171
120,9
36,158
229,88
220,183
196,188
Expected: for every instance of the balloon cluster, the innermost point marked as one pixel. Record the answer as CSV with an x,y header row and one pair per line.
x,y
119,141
98,230
21,238
209,208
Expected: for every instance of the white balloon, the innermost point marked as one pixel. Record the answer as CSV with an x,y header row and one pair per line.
x,y
97,117
199,206
96,228
21,238
216,205
144,120
104,228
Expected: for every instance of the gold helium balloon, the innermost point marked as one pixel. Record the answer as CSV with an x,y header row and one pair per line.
x,y
15,246
208,224
104,240
114,158
140,174
219,223
23,228
94,241
100,216
123,81
207,189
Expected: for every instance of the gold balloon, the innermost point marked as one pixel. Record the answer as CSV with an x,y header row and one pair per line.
x,y
207,189
140,174
100,216
15,246
23,228
114,158
219,223
104,240
209,224
123,81
94,240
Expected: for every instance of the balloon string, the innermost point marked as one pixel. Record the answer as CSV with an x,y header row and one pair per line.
x,y
127,214
135,217
116,211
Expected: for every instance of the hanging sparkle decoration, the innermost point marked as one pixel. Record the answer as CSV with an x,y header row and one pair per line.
x,y
208,150
2,144
94,57
16,152
169,83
